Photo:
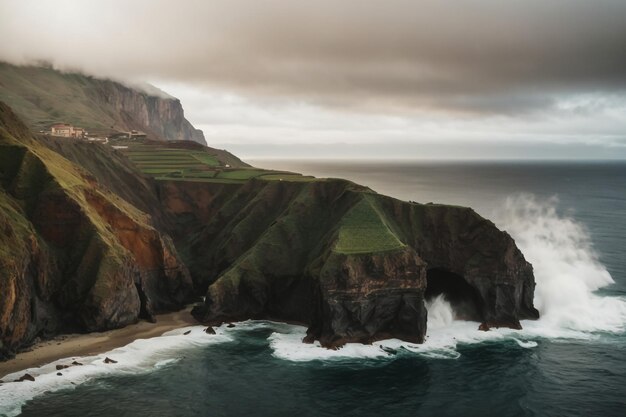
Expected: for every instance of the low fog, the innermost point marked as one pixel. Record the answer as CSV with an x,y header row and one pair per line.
x,y
515,71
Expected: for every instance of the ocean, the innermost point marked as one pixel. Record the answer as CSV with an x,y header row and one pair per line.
x,y
568,218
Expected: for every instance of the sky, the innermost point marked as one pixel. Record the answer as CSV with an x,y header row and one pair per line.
x,y
356,78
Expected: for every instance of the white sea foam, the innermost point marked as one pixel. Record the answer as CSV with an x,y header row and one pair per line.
x,y
140,356
567,270
567,273
440,313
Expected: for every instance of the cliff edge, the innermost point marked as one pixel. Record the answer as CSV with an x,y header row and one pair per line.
x,y
74,256
42,96
93,238
353,265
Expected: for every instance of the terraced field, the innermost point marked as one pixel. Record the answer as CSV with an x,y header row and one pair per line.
x,y
364,230
174,163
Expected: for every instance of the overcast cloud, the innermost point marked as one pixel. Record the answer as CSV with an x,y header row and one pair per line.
x,y
251,72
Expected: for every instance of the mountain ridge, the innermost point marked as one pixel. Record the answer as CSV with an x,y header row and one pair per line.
x,y
42,96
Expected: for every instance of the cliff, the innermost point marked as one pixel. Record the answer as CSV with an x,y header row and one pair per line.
x,y
42,96
353,265
93,238
74,255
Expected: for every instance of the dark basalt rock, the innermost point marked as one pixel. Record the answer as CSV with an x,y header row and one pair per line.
x,y
109,360
75,363
276,258
369,297
26,377
59,367
209,330
187,332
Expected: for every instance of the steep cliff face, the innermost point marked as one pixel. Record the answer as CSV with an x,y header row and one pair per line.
x,y
88,243
74,255
160,117
351,264
42,96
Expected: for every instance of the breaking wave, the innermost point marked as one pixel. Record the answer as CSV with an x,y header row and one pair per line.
x,y
567,270
140,356
567,274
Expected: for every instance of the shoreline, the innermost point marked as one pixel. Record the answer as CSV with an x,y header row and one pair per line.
x,y
65,346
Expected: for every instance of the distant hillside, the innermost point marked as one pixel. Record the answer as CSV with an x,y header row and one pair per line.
x,y
43,96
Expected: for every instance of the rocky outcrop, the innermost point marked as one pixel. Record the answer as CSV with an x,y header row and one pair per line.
x,y
42,96
160,117
74,255
368,297
291,251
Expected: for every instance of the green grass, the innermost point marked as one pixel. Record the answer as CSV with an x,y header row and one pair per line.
x,y
241,174
166,163
197,179
169,163
206,159
288,177
364,230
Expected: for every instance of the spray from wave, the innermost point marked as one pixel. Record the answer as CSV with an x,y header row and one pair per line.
x,y
567,273
567,269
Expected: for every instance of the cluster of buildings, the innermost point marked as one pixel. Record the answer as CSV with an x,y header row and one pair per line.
x,y
66,130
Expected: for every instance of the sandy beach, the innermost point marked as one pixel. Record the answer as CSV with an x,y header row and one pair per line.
x,y
93,343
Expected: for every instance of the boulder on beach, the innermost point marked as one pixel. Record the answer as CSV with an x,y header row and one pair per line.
x,y
26,377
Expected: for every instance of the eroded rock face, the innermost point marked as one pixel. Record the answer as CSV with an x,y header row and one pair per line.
x,y
163,117
460,241
370,297
291,266
74,256
351,264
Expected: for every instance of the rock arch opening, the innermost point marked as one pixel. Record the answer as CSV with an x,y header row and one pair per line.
x,y
464,298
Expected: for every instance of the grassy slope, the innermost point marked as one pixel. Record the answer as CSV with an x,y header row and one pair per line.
x,y
58,214
43,96
365,230
198,164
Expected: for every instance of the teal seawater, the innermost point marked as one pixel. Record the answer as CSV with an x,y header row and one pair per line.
x,y
558,375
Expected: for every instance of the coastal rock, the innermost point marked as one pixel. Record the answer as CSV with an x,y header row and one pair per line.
x,y
351,264
209,330
368,297
109,360
74,255
26,377
59,367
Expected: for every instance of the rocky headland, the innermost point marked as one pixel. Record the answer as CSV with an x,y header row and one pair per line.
x,y
89,242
